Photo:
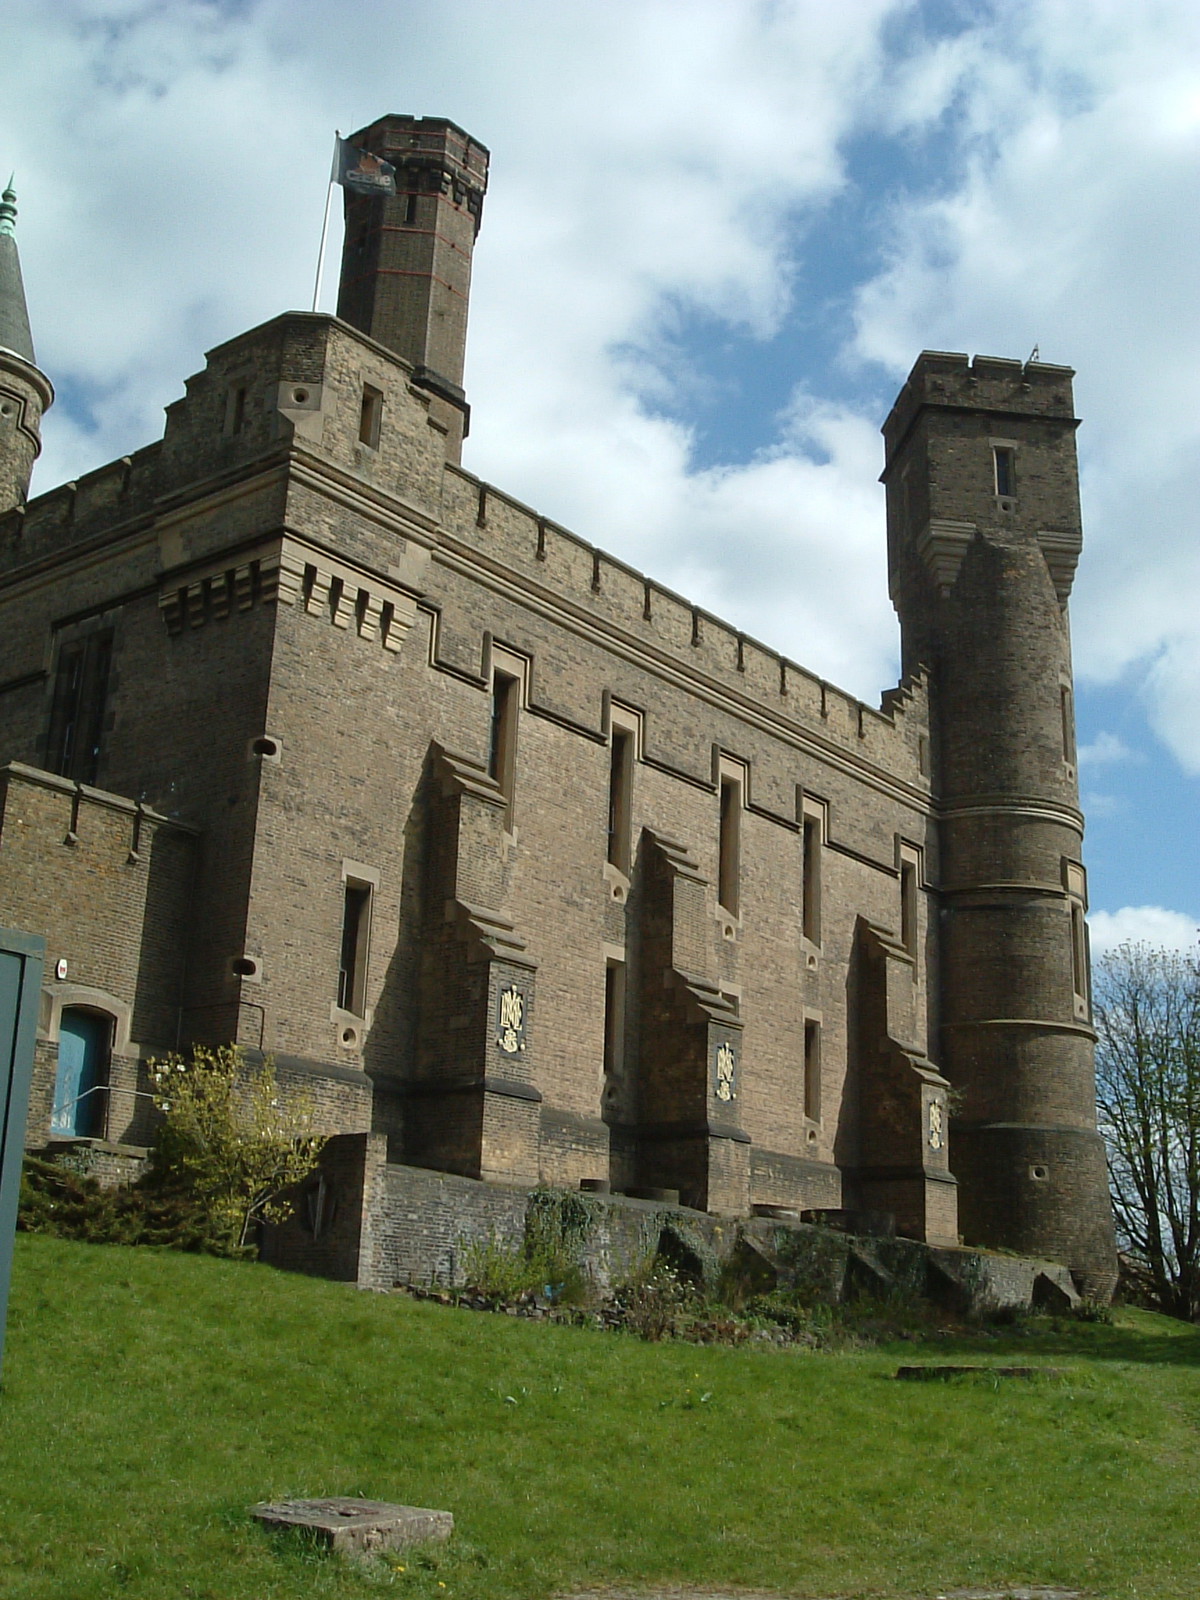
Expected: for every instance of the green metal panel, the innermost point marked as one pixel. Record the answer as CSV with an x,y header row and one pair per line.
x,y
21,957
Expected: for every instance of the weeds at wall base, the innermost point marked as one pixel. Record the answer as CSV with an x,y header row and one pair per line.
x,y
659,1306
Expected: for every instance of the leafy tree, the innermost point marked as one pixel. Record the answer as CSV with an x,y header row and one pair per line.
x,y
228,1138
1148,1088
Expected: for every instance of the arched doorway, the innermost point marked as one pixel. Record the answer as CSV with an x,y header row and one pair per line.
x,y
83,1046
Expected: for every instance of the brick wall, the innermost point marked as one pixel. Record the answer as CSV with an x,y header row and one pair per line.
x,y
305,630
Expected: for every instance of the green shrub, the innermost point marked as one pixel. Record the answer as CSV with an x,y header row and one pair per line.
x,y
227,1139
59,1201
658,1302
223,1155
548,1263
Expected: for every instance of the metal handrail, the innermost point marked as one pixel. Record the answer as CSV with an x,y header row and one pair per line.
x,y
58,1109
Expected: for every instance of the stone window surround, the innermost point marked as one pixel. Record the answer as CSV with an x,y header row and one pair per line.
x,y
1074,878
813,816
500,661
620,719
62,996
812,1072
910,869
351,1026
732,776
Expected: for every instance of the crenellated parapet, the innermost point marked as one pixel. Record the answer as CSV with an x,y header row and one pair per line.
x,y
602,597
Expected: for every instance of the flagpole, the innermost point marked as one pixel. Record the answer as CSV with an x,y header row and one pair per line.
x,y
337,138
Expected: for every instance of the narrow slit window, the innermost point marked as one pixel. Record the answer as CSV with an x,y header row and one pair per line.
x,y
908,906
614,1019
811,868
812,1070
502,742
370,418
620,786
1005,476
1068,723
410,209
1079,954
65,719
729,862
237,409
356,938
80,700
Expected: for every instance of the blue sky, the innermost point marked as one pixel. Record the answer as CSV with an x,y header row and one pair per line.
x,y
718,234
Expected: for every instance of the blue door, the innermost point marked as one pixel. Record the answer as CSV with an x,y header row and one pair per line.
x,y
78,1089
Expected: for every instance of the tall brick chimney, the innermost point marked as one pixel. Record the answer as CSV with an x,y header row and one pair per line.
x,y
406,259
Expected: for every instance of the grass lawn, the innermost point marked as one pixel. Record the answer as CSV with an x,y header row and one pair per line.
x,y
150,1397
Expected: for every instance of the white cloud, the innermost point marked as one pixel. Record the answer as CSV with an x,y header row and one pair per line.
x,y
652,155
1105,750
1175,930
1174,683
1071,223
1098,806
649,155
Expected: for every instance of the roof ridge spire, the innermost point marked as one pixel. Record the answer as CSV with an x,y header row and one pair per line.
x,y
8,208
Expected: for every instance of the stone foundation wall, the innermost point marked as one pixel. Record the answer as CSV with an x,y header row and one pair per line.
x,y
381,1225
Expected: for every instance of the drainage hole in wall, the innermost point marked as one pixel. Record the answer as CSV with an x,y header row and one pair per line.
x,y
299,396
1039,1172
265,747
244,967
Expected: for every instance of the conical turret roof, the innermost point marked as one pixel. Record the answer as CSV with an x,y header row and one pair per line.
x,y
14,317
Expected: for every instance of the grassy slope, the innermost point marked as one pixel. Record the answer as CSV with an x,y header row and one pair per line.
x,y
150,1397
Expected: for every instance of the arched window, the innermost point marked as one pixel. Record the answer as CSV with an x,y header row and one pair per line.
x,y
81,1084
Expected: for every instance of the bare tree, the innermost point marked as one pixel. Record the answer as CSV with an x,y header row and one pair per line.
x,y
1148,1087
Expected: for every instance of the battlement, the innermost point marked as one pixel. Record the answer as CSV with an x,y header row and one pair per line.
x,y
951,381
88,506
666,628
297,381
432,143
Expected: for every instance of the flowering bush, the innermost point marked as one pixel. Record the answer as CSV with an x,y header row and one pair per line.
x,y
227,1138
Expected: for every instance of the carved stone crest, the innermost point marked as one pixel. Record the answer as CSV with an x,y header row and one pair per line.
x,y
510,1022
725,1072
937,1125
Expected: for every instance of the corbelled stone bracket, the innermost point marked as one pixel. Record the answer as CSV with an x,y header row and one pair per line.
x,y
288,572
1062,551
941,544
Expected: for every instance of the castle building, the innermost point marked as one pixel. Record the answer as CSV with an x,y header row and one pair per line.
x,y
523,868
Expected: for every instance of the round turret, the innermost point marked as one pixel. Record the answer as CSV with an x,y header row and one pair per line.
x,y
984,533
25,391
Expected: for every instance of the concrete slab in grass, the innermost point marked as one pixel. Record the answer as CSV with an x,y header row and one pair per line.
x,y
358,1527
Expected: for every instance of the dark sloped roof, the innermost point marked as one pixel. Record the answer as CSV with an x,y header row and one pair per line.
x,y
14,317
